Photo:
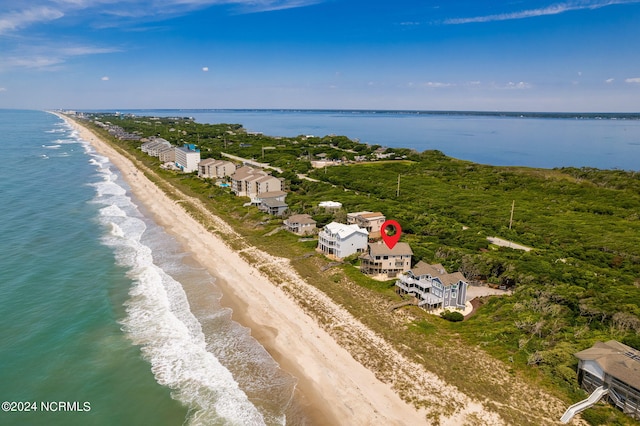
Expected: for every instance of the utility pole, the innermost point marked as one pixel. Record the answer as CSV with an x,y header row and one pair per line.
x,y
398,190
513,205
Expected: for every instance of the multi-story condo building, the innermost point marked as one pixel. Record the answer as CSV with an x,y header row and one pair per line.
x,y
212,168
187,158
249,182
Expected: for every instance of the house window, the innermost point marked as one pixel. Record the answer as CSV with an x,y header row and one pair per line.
x,y
385,257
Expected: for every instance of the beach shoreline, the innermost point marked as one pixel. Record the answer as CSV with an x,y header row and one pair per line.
x,y
331,385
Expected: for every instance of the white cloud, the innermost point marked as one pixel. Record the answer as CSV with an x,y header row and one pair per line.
x,y
13,21
519,85
105,78
3,89
85,50
635,80
437,84
609,80
205,69
48,55
554,9
30,61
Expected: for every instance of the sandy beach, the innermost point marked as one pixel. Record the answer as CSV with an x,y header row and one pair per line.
x,y
334,387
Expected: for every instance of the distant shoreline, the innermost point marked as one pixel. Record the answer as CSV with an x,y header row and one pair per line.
x,y
470,113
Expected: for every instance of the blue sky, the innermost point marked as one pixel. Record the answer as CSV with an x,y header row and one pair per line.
x,y
518,55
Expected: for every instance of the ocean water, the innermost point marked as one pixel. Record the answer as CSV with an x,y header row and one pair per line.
x,y
104,318
606,141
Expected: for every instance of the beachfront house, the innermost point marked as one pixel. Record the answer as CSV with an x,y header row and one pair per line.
x,y
611,370
371,221
300,224
340,240
433,286
215,169
248,182
271,202
382,262
187,158
273,207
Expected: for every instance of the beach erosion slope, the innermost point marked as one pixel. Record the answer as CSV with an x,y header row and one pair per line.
x,y
332,386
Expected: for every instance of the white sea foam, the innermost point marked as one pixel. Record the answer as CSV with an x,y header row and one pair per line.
x,y
56,146
159,319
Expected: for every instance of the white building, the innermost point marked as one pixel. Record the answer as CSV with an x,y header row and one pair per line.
x,y
187,158
340,240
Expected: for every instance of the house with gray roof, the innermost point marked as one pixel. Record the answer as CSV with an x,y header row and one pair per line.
x,y
433,286
300,224
273,206
610,370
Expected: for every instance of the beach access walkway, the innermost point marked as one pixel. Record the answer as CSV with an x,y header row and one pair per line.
x,y
583,405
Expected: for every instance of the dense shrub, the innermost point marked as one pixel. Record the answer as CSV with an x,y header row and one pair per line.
x,y
452,316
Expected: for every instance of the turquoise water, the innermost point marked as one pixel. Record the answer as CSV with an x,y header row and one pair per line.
x,y
101,309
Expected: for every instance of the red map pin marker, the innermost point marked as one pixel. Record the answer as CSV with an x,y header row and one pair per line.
x,y
390,240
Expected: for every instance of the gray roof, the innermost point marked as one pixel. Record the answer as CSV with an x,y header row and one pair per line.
x,y
616,359
437,271
270,194
273,202
422,268
301,219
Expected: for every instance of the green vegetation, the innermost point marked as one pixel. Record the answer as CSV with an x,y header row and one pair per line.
x,y
452,316
579,284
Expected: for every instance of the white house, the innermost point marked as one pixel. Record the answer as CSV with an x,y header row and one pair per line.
x,y
340,240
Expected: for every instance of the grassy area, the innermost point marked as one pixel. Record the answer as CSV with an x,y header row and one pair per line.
x,y
579,284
